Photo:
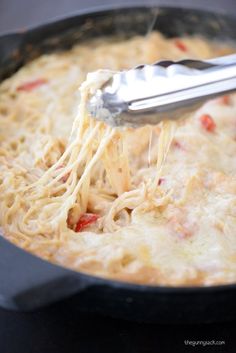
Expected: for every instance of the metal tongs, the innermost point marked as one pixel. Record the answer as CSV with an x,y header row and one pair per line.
x,y
149,94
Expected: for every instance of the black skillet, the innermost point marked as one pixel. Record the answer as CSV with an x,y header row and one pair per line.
x,y
27,282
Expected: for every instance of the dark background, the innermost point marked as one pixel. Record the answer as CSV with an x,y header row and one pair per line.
x,y
62,327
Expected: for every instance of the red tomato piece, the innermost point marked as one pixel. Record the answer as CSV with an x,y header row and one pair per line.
x,y
31,85
180,45
85,220
225,100
207,122
66,176
161,180
176,144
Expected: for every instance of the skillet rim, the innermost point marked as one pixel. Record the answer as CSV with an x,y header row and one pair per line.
x,y
103,9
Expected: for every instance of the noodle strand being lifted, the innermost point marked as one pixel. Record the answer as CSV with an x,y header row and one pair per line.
x,y
91,143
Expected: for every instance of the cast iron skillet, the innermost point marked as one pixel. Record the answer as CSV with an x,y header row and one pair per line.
x,y
28,282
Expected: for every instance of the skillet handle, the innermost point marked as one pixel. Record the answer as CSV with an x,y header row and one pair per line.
x,y
28,282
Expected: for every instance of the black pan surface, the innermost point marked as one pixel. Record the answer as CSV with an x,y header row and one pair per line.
x,y
27,282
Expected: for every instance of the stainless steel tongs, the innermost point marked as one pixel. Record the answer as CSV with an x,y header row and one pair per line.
x,y
149,94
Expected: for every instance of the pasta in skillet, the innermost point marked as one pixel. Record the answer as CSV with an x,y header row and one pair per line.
x,y
152,205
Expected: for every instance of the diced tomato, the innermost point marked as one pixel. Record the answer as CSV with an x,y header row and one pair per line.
x,y
85,220
31,85
207,122
160,181
178,145
225,100
66,176
180,45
